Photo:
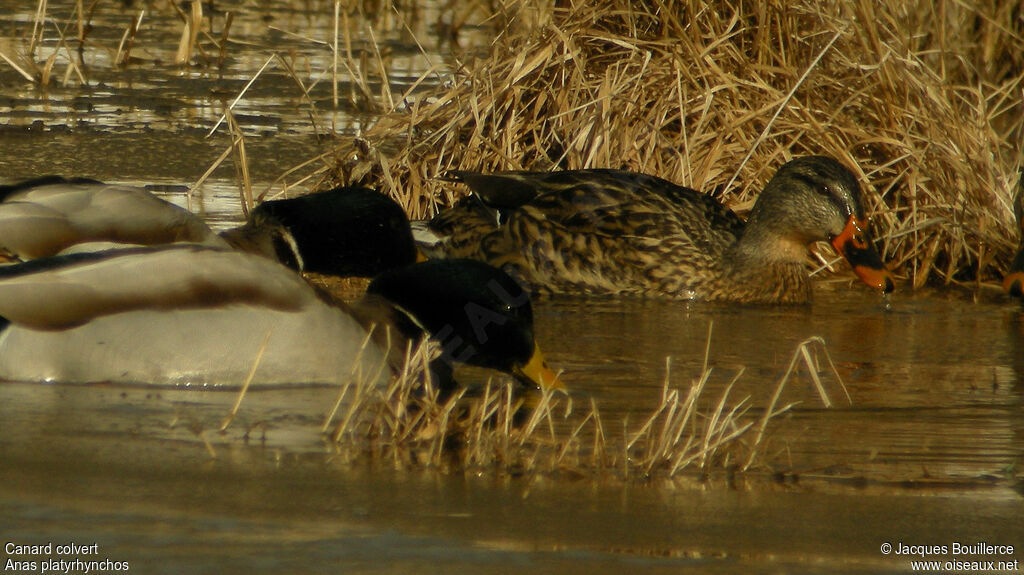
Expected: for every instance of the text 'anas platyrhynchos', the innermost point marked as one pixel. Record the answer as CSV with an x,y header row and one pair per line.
x,y
196,315
616,232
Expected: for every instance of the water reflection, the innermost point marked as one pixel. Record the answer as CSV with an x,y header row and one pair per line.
x,y
117,122
934,383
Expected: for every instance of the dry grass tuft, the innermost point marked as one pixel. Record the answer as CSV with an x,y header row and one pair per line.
x,y
502,429
924,99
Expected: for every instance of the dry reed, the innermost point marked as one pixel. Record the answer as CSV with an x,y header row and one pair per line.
x,y
924,99
502,429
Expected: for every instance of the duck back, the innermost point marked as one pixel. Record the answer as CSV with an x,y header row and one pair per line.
x,y
602,231
196,347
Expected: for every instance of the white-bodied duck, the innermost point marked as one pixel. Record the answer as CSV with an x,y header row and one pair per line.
x,y
199,315
344,232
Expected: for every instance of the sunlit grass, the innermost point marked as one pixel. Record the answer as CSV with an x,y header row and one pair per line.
x,y
923,100
696,428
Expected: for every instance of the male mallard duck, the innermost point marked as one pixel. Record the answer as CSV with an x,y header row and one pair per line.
x,y
342,232
615,232
1013,283
191,314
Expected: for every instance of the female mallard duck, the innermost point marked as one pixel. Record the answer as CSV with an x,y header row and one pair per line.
x,y
1013,282
196,315
342,232
615,232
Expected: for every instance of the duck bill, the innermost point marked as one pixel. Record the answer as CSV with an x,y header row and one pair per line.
x,y
537,372
1013,283
854,244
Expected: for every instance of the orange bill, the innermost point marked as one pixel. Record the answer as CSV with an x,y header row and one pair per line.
x,y
854,244
1013,283
537,371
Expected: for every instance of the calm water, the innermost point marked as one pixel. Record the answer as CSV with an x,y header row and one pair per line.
x,y
925,451
923,454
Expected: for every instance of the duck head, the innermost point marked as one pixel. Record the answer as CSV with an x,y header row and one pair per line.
x,y
478,314
345,232
816,198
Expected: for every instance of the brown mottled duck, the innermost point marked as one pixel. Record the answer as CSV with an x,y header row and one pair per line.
x,y
621,233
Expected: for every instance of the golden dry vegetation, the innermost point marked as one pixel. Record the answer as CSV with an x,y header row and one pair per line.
x,y
692,430
923,98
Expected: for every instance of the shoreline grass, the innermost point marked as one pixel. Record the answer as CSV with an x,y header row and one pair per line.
x,y
924,100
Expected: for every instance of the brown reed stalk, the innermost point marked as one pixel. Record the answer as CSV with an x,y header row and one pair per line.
x,y
241,161
124,49
189,41
225,32
314,116
334,54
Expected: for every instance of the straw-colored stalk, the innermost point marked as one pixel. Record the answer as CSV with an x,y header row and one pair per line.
x,y
124,50
241,161
189,41
248,381
20,55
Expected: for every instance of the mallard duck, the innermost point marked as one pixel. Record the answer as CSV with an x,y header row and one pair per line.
x,y
1013,282
196,315
343,232
616,232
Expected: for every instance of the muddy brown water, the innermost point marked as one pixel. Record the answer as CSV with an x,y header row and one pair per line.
x,y
926,450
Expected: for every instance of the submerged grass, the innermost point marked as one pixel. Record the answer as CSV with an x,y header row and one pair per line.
x,y
505,430
923,99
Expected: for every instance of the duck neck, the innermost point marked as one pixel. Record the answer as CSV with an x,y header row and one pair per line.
x,y
269,240
761,242
395,330
766,267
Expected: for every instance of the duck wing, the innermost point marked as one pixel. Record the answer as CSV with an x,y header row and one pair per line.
x,y
604,201
43,217
607,231
66,291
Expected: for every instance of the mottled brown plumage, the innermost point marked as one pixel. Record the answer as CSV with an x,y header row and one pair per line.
x,y
621,233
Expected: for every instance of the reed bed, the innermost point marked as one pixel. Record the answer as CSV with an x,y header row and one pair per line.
x,y
924,99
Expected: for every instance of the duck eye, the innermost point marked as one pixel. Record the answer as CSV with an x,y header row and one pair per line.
x,y
825,190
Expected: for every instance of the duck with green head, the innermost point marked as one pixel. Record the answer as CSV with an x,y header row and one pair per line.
x,y
200,316
193,306
344,232
622,233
